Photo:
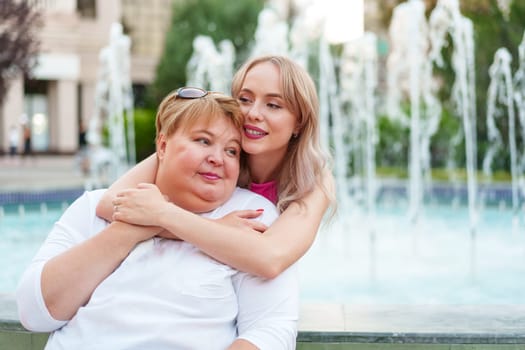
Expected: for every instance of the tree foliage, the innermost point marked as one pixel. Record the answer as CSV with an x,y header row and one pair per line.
x,y
219,19
18,23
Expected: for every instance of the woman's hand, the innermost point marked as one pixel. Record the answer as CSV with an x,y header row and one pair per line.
x,y
242,218
140,206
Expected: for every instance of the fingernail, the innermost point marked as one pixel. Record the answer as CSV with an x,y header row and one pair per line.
x,y
260,209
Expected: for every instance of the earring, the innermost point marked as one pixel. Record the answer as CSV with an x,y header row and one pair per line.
x,y
295,135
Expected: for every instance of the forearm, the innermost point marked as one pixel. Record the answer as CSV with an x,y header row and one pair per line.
x,y
234,246
265,255
69,279
144,171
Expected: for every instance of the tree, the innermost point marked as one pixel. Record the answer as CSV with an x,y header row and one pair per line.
x,y
18,23
219,19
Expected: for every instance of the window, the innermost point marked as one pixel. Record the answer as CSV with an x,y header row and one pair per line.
x,y
87,8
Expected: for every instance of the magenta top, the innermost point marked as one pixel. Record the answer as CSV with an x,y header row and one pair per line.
x,y
266,189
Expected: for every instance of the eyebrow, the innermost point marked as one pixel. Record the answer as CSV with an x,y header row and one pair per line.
x,y
272,94
238,142
205,131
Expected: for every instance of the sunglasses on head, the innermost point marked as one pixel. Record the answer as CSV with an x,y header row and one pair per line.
x,y
191,92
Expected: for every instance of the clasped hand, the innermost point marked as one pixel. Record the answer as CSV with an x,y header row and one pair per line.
x,y
145,205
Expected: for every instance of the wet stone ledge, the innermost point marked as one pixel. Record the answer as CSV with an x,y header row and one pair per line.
x,y
362,327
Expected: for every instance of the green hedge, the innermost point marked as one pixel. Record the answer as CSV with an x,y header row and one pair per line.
x,y
144,132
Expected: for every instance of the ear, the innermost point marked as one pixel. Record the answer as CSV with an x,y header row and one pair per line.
x,y
297,129
296,132
161,146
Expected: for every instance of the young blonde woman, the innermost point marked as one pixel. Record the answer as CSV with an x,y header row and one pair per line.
x,y
284,163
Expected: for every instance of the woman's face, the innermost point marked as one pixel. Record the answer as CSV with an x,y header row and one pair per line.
x,y
199,165
268,122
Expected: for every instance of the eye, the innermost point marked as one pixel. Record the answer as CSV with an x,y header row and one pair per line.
x,y
232,152
273,106
203,140
244,100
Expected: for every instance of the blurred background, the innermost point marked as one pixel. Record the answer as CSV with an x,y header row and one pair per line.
x,y
55,93
422,107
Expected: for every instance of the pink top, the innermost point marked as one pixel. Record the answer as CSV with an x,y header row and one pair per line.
x,y
266,189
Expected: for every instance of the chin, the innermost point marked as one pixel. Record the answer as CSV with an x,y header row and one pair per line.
x,y
209,203
252,149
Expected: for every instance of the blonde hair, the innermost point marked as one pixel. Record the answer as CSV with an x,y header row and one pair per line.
x,y
305,160
175,112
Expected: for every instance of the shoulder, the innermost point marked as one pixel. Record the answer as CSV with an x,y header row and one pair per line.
x,y
95,195
79,221
243,193
248,199
85,206
243,199
89,199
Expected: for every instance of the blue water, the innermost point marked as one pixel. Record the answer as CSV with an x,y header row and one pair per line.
x,y
22,231
436,261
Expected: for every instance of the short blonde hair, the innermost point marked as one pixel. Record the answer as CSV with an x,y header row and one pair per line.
x,y
305,160
176,112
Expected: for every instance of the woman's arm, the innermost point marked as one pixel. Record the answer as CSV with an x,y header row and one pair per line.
x,y
69,279
265,255
76,256
145,171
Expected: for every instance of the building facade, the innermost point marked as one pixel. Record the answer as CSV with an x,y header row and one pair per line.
x,y
59,99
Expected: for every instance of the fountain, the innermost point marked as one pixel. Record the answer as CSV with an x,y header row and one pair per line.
x,y
504,93
210,67
331,111
407,65
113,114
446,19
416,49
358,87
519,99
500,90
358,81
271,35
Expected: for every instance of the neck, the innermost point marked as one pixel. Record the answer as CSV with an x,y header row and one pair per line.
x,y
195,205
263,169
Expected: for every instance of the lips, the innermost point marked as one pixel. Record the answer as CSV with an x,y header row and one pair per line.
x,y
253,132
210,176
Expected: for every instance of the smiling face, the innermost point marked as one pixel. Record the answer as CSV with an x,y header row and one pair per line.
x,y
268,121
199,165
279,102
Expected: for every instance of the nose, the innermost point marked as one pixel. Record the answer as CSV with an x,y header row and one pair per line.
x,y
254,112
216,156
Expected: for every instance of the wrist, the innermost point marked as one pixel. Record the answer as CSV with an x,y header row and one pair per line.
x,y
167,215
119,238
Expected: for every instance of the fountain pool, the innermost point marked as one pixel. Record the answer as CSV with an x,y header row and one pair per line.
x,y
22,230
435,261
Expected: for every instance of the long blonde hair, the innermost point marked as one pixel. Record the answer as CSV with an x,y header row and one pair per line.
x,y
305,160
